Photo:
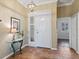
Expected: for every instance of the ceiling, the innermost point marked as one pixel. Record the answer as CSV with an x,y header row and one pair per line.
x,y
65,2
38,2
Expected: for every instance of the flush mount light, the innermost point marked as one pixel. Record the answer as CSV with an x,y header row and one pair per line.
x,y
31,5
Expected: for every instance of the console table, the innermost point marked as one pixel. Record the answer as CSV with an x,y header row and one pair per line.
x,y
13,42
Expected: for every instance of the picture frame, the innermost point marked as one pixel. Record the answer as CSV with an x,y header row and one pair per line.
x,y
64,26
15,24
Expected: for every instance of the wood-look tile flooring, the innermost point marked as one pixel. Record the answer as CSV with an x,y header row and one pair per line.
x,y
45,53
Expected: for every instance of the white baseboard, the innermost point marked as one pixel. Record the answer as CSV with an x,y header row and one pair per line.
x,y
12,52
24,46
8,56
78,52
53,48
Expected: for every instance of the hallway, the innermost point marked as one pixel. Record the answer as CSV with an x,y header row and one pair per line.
x,y
63,43
63,52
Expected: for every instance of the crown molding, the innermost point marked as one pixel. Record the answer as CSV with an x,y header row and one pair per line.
x,y
66,4
41,3
47,2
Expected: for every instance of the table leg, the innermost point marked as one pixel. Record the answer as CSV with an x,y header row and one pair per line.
x,y
21,46
13,48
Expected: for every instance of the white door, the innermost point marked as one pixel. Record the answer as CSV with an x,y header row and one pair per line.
x,y
40,36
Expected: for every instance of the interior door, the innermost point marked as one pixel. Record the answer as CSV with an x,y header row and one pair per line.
x,y
42,31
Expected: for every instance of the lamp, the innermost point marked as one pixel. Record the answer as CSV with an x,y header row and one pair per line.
x,y
31,5
13,31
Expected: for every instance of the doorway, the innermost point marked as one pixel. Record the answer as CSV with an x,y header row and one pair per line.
x,y
40,29
63,30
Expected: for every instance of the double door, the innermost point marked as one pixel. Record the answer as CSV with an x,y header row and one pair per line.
x,y
40,30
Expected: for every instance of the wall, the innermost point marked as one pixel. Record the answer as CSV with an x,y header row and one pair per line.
x,y
68,10
64,11
52,7
74,31
5,36
75,6
74,36
10,8
63,34
72,10
15,6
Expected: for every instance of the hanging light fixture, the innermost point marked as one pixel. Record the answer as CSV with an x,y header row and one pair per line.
x,y
31,5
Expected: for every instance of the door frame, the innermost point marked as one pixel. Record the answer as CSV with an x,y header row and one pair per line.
x,y
33,14
69,19
76,30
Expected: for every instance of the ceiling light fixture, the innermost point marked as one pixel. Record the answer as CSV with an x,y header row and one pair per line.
x,y
31,5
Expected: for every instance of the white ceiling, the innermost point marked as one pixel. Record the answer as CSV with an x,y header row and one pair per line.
x,y
60,2
37,2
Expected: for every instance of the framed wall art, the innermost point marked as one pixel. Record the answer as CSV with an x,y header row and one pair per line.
x,y
64,26
15,24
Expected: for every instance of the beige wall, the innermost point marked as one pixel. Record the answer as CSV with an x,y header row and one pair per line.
x,y
15,6
75,6
64,11
10,8
53,8
68,10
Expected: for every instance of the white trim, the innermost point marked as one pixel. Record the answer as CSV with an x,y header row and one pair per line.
x,y
24,46
41,12
77,52
70,32
64,17
53,48
69,20
47,2
12,52
66,4
40,3
8,56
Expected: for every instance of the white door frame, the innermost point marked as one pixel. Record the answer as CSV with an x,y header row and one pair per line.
x,y
74,17
33,14
69,20
70,32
